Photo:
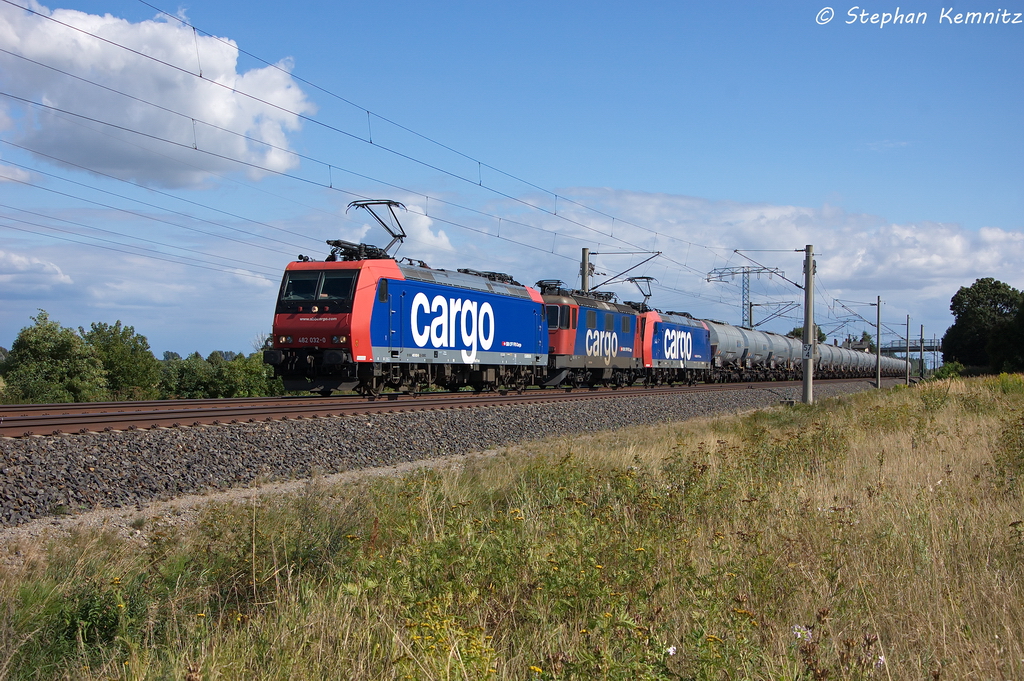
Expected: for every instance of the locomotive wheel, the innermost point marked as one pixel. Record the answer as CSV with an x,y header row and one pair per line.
x,y
371,389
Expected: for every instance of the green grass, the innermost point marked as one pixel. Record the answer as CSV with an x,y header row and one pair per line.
x,y
876,537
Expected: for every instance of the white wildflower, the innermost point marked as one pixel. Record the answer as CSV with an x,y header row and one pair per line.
x,y
802,633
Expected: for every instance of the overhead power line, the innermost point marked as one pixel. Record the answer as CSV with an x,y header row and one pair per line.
x,y
330,166
427,138
191,262
336,129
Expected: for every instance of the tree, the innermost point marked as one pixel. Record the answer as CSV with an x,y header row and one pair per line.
x,y
188,378
798,332
1006,343
244,376
866,337
133,373
984,312
51,363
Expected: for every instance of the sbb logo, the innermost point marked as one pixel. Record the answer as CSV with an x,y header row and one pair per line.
x,y
453,319
602,344
678,344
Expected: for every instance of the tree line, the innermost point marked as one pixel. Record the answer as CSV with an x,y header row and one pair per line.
x,y
51,363
988,331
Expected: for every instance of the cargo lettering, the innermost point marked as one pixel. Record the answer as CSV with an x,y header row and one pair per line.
x,y
446,320
678,344
602,344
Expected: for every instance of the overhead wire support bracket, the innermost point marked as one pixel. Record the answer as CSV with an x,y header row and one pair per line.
x,y
618,277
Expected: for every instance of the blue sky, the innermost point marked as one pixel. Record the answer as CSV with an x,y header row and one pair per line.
x,y
700,129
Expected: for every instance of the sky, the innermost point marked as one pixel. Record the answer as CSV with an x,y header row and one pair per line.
x,y
161,164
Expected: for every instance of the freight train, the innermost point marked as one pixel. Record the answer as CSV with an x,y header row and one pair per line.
x,y
363,321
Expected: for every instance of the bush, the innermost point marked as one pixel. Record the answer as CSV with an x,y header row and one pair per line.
x,y
215,376
50,363
948,370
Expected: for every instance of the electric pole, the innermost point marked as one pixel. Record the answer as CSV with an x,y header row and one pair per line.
x,y
810,337
908,350
878,342
922,351
585,271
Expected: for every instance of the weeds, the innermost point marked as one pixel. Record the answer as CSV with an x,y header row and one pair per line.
x,y
877,537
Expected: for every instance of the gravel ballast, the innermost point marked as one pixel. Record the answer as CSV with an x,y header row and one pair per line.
x,y
65,474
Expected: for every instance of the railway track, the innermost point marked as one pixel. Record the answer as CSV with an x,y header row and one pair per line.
x,y
56,419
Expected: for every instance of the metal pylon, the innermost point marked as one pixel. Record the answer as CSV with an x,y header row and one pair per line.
x,y
720,273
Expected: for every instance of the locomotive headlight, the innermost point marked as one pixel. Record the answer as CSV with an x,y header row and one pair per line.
x,y
284,339
314,309
339,339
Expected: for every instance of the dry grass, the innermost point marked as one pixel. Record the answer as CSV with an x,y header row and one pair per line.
x,y
878,537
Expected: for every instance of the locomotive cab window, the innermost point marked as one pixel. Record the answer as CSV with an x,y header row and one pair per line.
x,y
300,285
575,314
558,317
337,285
563,316
552,311
328,291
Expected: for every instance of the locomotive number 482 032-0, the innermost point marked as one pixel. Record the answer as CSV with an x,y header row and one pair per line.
x,y
312,340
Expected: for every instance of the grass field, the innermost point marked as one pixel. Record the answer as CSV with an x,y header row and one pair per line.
x,y
876,537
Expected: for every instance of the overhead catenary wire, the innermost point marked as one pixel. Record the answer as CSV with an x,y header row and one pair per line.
x,y
336,129
478,162
237,271
128,212
320,184
292,176
121,234
144,203
330,184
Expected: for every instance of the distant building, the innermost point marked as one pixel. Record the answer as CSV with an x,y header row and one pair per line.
x,y
858,345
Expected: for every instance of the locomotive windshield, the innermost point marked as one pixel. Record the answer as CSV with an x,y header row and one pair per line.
x,y
329,290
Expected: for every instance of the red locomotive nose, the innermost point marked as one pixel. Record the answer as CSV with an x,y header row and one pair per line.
x,y
315,305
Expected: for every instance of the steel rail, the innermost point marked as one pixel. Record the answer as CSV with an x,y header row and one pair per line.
x,y
42,420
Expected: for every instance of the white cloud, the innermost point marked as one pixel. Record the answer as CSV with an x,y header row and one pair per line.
x,y
12,174
176,307
915,267
854,250
107,149
25,276
421,231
